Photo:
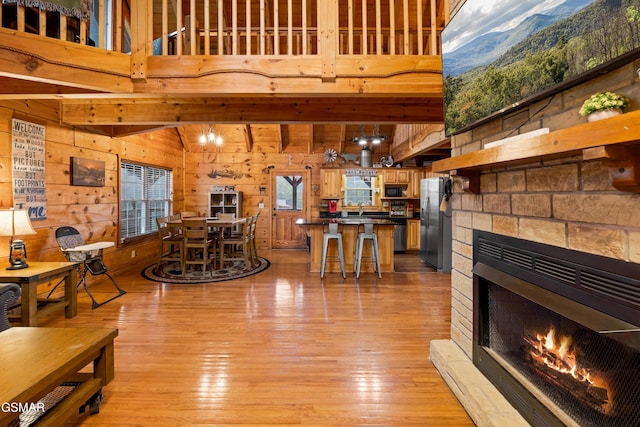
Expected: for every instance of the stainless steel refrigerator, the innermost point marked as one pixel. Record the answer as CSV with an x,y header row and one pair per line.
x,y
435,225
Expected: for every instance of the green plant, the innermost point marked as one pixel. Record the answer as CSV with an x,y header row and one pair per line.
x,y
603,101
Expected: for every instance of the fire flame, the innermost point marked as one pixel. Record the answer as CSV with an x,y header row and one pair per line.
x,y
556,352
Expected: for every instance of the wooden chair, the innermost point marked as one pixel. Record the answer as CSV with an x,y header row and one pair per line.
x,y
228,216
252,240
171,244
199,247
240,245
188,214
173,219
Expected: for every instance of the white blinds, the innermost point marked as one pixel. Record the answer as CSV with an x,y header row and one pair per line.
x,y
145,193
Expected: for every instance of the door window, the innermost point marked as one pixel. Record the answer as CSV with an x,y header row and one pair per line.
x,y
289,193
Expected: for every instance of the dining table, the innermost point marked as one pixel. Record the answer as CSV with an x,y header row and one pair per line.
x,y
214,222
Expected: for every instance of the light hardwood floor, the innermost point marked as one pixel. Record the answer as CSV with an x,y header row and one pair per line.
x,y
278,348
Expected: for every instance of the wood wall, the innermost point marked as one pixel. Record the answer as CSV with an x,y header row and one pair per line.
x,y
250,172
92,210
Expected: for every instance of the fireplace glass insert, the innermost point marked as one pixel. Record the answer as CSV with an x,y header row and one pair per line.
x,y
558,343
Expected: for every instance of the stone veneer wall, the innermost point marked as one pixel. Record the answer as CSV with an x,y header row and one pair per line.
x,y
565,202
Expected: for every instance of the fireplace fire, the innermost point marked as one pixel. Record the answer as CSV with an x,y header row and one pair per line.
x,y
555,359
561,350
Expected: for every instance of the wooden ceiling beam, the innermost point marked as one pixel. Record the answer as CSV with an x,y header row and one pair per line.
x,y
184,138
342,142
248,138
174,112
280,142
309,135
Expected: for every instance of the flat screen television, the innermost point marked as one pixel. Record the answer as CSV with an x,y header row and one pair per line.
x,y
502,55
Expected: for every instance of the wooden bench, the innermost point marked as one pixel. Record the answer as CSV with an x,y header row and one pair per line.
x,y
35,361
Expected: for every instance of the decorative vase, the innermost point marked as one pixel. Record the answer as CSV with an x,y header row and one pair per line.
x,y
603,114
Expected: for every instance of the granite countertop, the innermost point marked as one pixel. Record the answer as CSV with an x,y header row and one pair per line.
x,y
346,221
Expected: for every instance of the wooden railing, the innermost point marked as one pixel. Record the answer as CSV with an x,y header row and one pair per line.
x,y
290,27
245,27
91,32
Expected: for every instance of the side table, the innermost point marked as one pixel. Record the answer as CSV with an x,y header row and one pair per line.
x,y
37,273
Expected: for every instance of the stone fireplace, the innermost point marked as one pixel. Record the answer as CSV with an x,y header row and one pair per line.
x,y
565,201
553,331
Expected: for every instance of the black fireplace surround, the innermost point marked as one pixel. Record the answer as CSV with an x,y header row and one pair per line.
x,y
529,296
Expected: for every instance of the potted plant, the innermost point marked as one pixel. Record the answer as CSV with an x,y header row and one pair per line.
x,y
602,105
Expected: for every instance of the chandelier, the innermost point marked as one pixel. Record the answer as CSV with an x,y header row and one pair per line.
x,y
210,137
374,139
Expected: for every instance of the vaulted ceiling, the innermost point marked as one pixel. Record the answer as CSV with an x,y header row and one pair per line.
x,y
307,122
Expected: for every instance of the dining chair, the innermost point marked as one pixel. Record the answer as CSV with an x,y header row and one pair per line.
x,y
228,216
197,243
188,214
252,240
240,245
171,244
175,223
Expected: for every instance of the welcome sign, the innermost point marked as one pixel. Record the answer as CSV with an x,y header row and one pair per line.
x,y
28,168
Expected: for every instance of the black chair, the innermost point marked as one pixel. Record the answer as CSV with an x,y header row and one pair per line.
x,y
9,294
75,250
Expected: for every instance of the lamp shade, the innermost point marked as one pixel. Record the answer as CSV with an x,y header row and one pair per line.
x,y
15,223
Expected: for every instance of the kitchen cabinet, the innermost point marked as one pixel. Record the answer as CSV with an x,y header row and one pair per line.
x,y
395,176
413,234
414,185
331,184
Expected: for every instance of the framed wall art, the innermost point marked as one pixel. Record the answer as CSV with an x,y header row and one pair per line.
x,y
87,172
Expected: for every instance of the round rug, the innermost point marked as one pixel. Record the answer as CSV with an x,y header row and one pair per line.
x,y
234,269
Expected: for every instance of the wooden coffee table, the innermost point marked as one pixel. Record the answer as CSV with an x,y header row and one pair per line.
x,y
37,273
37,360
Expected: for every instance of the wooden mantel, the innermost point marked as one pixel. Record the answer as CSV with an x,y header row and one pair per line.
x,y
616,139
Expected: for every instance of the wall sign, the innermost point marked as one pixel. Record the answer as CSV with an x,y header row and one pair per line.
x,y
28,168
361,172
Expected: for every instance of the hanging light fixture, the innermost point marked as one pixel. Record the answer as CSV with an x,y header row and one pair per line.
x,y
210,137
374,139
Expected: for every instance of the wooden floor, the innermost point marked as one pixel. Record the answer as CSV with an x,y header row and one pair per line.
x,y
278,348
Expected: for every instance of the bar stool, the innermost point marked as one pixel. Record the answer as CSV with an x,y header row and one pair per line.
x,y
367,233
332,233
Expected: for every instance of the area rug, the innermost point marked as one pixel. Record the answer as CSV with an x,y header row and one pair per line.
x,y
234,269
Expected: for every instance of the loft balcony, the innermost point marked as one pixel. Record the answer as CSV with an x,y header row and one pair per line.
x,y
228,61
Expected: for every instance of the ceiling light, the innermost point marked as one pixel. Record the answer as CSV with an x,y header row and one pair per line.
x,y
374,139
210,137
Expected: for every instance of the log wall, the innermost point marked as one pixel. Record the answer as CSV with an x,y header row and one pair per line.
x,y
92,210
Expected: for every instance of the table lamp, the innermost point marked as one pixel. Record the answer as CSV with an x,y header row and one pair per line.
x,y
16,223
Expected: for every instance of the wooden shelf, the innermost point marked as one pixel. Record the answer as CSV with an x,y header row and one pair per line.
x,y
616,139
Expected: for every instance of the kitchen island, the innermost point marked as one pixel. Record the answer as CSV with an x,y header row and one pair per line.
x,y
349,226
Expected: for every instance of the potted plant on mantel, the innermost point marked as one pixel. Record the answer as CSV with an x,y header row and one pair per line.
x,y
603,105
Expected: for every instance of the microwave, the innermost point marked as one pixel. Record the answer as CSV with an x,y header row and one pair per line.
x,y
393,191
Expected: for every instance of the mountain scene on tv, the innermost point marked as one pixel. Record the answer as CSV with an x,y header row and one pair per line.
x,y
496,54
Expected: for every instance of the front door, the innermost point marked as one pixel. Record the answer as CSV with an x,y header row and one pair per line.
x,y
289,204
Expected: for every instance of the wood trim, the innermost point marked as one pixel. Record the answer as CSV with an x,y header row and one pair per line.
x,y
621,129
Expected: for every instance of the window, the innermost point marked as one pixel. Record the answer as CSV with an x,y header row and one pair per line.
x,y
145,193
289,192
358,190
